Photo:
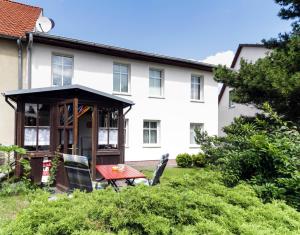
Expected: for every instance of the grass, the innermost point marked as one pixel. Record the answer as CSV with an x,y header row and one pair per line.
x,y
10,206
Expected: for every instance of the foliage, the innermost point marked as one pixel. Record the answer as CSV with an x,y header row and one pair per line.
x,y
199,160
274,79
53,171
184,160
194,203
264,151
9,152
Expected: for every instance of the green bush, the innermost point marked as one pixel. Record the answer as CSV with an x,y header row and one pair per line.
x,y
184,160
199,160
264,151
193,203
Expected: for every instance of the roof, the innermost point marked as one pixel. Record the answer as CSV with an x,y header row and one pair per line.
x,y
17,18
71,89
118,51
235,58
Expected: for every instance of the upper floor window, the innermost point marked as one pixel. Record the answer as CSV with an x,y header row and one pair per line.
x,y
156,82
197,87
62,70
193,128
121,78
231,103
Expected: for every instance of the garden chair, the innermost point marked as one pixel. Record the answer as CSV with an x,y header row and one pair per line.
x,y
78,173
156,175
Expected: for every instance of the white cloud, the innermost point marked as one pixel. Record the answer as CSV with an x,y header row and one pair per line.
x,y
223,58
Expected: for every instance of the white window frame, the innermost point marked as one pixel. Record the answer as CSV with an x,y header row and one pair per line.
x,y
231,104
129,79
201,84
61,55
158,129
126,134
162,88
201,124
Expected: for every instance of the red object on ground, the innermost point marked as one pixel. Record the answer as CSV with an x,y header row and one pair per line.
x,y
109,174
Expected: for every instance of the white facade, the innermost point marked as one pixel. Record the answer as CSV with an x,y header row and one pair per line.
x,y
175,110
228,112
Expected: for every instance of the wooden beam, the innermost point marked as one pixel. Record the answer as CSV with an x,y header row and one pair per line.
x,y
121,141
75,126
94,140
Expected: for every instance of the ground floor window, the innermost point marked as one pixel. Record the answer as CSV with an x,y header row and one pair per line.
x,y
151,132
193,127
37,127
108,129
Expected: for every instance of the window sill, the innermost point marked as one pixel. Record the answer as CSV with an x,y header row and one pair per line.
x,y
197,101
194,146
151,146
120,93
156,97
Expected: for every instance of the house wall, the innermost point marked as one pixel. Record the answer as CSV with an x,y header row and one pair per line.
x,y
175,111
8,81
226,113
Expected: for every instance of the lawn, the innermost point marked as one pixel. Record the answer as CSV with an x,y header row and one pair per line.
x,y
10,206
188,201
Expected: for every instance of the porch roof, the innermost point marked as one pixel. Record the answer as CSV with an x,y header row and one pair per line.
x,y
82,92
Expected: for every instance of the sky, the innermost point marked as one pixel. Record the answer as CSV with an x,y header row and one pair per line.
x,y
204,30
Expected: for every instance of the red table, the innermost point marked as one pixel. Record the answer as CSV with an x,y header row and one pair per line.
x,y
113,175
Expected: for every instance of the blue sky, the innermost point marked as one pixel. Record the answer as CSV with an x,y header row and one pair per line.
x,y
193,29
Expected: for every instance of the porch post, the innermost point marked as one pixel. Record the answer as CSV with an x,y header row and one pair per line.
x,y
20,133
75,126
121,135
94,140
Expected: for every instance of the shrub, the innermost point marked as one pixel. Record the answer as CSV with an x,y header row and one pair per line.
x,y
184,160
199,160
264,151
194,203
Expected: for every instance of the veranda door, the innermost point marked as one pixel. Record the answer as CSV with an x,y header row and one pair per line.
x,y
68,126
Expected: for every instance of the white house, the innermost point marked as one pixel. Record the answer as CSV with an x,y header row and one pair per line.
x,y
227,109
172,96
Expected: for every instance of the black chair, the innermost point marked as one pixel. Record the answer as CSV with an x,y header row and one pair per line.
x,y
156,174
78,173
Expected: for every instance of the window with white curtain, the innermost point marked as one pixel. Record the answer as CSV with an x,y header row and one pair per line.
x,y
108,129
193,127
197,87
156,82
62,70
126,132
121,78
37,127
151,132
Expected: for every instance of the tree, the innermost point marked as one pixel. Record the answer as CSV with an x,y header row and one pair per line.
x,y
275,78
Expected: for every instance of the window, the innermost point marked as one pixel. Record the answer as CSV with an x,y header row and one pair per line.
x,y
197,87
231,103
193,127
156,82
37,127
151,132
121,78
62,70
126,132
108,129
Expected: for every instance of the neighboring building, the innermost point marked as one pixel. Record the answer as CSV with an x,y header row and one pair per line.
x,y
15,20
228,110
172,96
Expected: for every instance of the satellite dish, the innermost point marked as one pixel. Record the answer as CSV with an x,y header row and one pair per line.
x,y
44,24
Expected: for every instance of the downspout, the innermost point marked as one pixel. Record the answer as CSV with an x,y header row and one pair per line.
x,y
29,51
127,110
20,64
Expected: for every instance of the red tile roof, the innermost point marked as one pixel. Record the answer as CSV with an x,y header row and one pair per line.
x,y
17,18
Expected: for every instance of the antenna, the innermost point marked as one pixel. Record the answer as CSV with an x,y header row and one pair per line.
x,y
44,24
